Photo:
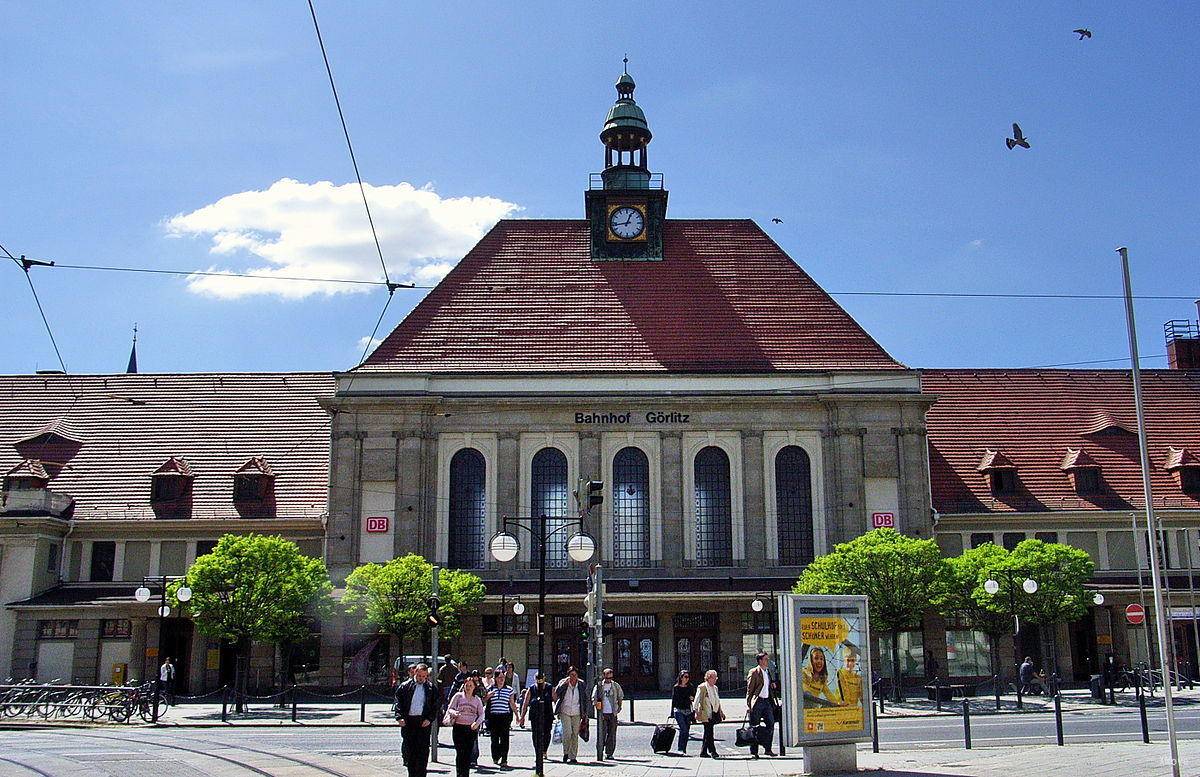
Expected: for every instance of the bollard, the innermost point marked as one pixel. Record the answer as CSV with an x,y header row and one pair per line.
x,y
1058,718
967,722
880,697
1142,713
631,710
937,692
362,704
1112,694
293,703
996,687
875,733
224,703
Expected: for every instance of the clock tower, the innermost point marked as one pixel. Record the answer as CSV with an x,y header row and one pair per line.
x,y
626,204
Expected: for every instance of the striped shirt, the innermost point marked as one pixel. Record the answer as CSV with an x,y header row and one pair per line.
x,y
500,703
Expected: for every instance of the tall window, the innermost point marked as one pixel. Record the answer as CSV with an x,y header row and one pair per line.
x,y
793,505
631,508
103,559
548,496
714,516
468,509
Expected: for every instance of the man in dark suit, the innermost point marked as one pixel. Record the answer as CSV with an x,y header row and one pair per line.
x,y
417,705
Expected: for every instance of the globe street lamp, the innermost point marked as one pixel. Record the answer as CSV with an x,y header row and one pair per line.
x,y
142,594
1029,586
504,547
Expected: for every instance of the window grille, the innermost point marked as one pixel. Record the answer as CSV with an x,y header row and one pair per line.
x,y
714,517
548,487
468,509
631,508
793,505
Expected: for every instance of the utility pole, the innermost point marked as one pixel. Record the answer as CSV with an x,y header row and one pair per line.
x,y
1155,568
598,647
433,647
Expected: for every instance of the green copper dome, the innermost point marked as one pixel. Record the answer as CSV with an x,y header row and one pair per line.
x,y
625,114
624,80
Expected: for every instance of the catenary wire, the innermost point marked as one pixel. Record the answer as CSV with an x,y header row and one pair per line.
x,y
345,131
230,274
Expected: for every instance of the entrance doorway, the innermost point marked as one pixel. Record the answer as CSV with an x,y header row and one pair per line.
x,y
635,651
177,644
1084,658
696,641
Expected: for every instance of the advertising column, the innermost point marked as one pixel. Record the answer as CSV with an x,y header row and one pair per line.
x,y
826,669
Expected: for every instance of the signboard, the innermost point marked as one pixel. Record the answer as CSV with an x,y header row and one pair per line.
x,y
1104,639
377,524
212,659
1135,614
825,653
883,520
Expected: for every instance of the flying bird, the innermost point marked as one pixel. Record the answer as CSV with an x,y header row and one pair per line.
x,y
776,221
1017,139
1083,32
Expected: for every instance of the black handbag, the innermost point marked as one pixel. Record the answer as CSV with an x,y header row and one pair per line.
x,y
747,735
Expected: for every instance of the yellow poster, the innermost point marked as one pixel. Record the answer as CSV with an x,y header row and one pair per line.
x,y
830,675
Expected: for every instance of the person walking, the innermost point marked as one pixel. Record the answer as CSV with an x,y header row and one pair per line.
x,y
707,707
501,709
760,703
682,696
417,705
489,678
1025,675
538,706
445,678
465,712
608,698
569,709
166,679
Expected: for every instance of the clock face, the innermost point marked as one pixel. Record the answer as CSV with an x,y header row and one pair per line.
x,y
626,222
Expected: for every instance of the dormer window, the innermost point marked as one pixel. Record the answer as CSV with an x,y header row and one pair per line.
x,y
1185,466
29,474
1083,470
171,489
1000,472
254,489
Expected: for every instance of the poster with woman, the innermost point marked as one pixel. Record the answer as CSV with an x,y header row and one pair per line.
x,y
825,644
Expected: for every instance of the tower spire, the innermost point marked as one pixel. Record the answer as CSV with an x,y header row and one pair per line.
x,y
131,368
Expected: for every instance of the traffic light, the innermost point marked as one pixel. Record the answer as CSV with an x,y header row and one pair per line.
x,y
434,619
585,629
595,493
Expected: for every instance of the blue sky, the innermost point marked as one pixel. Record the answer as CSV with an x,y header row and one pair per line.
x,y
876,132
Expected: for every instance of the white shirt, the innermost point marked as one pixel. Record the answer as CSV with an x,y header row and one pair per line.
x,y
607,695
765,693
570,700
417,706
166,672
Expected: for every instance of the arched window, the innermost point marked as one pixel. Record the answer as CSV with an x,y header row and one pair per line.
x,y
793,505
548,496
714,517
631,508
468,509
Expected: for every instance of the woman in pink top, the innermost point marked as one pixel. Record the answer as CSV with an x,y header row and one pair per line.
x,y
466,713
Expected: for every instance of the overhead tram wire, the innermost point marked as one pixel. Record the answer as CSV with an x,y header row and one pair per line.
x,y
858,293
349,146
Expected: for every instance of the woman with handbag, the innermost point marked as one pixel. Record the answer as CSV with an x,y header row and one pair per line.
x,y
708,711
682,696
465,713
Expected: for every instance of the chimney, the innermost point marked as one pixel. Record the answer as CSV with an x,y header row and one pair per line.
x,y
1183,343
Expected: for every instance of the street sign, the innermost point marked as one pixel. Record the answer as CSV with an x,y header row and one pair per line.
x,y
1135,614
883,520
377,524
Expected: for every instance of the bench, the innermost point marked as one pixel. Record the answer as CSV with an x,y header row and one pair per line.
x,y
946,691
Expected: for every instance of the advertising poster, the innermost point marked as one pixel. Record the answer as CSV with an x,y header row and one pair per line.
x,y
826,650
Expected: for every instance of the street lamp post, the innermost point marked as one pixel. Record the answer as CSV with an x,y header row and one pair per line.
x,y
142,594
1029,586
505,546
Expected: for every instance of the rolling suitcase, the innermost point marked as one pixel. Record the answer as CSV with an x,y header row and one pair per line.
x,y
664,735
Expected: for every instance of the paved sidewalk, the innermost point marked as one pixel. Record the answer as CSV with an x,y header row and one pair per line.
x,y
1120,759
1072,701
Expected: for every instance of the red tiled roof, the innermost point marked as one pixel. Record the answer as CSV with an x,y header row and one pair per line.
x,y
257,465
724,299
994,460
127,426
1078,458
174,466
1036,415
1177,458
28,468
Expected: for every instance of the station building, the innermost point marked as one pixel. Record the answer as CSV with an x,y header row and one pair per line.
x,y
741,421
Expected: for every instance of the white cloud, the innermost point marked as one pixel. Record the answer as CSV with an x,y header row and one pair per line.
x,y
366,344
319,230
975,244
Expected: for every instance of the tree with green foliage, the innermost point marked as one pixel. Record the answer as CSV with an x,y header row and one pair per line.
x,y
392,598
1060,572
256,587
962,594
900,575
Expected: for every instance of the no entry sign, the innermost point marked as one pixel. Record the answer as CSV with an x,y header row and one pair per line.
x,y
1135,614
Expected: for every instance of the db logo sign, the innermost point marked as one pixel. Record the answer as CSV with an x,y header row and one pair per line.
x,y
883,520
377,524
